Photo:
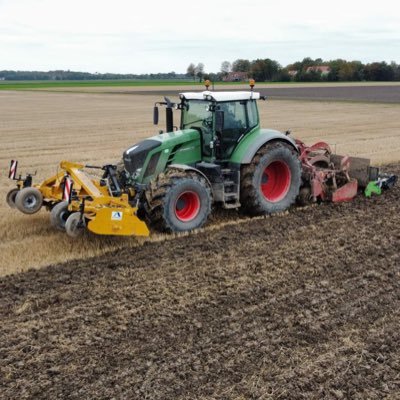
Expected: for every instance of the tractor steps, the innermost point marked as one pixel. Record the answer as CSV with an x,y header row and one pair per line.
x,y
228,206
231,179
225,183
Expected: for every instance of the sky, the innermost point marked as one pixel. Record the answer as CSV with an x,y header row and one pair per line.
x,y
130,36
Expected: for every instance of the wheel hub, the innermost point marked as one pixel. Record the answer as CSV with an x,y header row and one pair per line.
x,y
187,206
275,181
30,201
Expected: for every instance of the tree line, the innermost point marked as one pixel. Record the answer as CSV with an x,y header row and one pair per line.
x,y
262,70
307,70
61,75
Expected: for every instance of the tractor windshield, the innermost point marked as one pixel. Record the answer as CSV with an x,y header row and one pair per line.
x,y
195,112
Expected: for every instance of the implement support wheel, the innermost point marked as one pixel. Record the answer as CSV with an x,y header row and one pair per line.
x,y
29,200
74,226
11,195
59,215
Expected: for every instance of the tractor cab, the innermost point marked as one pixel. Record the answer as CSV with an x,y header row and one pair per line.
x,y
221,118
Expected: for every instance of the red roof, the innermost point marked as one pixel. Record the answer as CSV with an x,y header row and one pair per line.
x,y
319,68
236,76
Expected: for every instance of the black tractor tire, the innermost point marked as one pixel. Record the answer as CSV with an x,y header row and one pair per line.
x,y
271,182
179,201
59,215
29,200
11,195
304,197
73,227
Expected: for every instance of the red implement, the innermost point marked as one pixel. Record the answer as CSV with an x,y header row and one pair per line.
x,y
346,192
324,179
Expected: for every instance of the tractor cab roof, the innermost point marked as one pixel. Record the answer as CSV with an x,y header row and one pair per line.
x,y
220,96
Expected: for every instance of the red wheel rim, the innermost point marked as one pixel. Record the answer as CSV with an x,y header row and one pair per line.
x,y
187,206
275,181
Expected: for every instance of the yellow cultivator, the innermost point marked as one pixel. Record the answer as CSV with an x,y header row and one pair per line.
x,y
77,200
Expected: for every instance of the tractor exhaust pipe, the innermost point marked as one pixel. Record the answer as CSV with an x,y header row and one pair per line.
x,y
169,119
168,114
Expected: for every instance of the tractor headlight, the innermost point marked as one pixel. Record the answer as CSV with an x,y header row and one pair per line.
x,y
137,173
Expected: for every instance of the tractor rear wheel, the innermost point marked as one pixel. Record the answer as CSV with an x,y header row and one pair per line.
x,y
59,215
29,200
11,195
271,182
179,201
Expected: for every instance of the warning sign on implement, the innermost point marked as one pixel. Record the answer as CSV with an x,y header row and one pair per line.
x,y
116,216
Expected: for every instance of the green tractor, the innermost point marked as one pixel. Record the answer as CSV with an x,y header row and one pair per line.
x,y
218,156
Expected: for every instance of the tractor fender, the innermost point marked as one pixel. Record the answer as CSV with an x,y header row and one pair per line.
x,y
185,167
247,149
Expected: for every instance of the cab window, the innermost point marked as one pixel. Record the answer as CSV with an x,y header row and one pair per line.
x,y
197,115
235,125
252,113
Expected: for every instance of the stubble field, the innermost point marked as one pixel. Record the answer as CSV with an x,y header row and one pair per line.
x,y
302,305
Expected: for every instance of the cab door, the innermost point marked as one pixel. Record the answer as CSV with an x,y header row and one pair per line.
x,y
235,126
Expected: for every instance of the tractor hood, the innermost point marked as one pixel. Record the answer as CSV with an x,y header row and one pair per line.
x,y
135,156
177,146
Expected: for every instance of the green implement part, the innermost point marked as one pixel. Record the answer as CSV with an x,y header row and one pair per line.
x,y
372,187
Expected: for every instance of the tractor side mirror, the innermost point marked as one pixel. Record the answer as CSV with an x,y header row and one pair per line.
x,y
219,121
155,115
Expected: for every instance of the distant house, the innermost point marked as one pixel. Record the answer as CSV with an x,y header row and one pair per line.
x,y
323,69
236,77
293,72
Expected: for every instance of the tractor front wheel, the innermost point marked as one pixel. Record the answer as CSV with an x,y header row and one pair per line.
x,y
271,182
180,201
29,200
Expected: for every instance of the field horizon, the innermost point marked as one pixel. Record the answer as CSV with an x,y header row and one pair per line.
x,y
151,83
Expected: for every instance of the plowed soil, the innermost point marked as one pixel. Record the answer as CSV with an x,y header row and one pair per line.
x,y
304,305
